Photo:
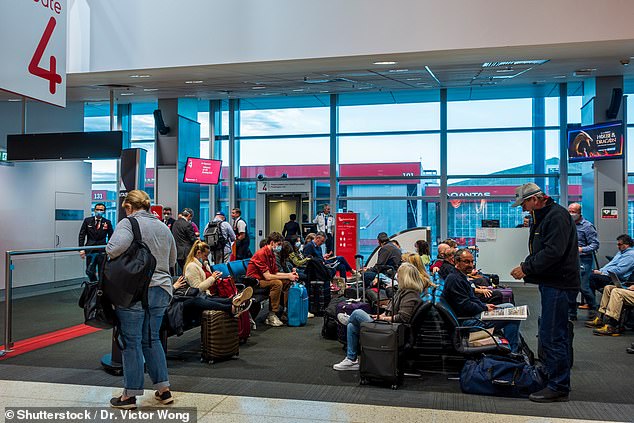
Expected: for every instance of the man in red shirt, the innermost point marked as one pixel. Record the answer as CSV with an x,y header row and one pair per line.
x,y
263,268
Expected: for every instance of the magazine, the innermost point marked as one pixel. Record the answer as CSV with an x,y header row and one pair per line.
x,y
510,313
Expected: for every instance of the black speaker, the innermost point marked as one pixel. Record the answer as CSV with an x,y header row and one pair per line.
x,y
615,103
160,125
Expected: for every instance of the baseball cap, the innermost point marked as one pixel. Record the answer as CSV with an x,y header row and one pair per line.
x,y
220,213
523,192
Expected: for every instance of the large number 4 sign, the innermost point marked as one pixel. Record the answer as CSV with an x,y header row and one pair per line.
x,y
50,74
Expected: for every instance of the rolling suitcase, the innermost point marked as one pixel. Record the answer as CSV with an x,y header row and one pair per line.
x,y
329,328
297,305
219,336
381,343
319,297
244,327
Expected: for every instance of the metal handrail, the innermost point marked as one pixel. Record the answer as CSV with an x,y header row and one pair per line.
x,y
8,288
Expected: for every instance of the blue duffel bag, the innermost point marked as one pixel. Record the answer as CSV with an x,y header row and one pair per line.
x,y
502,376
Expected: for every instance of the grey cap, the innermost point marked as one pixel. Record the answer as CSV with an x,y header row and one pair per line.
x,y
524,192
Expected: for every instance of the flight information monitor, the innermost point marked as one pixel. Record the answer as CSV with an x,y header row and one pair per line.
x,y
202,171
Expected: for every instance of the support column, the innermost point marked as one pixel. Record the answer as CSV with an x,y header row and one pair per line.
x,y
234,153
172,150
334,154
539,142
563,144
443,202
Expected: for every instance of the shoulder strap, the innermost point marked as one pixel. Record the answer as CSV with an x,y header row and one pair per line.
x,y
136,231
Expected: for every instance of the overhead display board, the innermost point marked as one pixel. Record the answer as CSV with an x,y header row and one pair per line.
x,y
33,49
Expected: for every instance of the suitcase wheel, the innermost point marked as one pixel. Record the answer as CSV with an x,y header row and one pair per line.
x,y
395,387
363,381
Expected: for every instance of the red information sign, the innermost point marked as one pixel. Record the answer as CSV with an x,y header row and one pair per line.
x,y
157,210
347,236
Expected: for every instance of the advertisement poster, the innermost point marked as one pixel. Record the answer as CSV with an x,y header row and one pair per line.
x,y
596,142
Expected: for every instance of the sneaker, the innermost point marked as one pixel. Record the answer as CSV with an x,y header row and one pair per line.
x,y
253,325
164,398
606,330
343,318
273,320
310,315
242,297
597,322
347,364
548,395
243,307
129,404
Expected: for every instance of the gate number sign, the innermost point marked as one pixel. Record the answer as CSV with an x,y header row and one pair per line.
x,y
34,62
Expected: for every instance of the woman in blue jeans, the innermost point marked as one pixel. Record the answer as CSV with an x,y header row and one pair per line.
x,y
140,327
407,298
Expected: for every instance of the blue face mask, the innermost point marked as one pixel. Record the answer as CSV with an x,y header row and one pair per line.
x,y
99,214
202,261
277,248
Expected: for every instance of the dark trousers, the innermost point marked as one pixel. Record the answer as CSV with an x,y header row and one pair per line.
x,y
242,248
330,243
94,265
598,282
553,335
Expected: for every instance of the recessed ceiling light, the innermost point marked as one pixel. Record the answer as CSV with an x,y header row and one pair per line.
x,y
190,95
147,90
507,70
514,63
139,76
559,76
127,94
258,87
584,70
413,79
324,91
385,63
194,82
14,99
398,70
299,90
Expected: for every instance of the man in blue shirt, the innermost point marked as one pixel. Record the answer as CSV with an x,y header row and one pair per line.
x,y
588,241
622,265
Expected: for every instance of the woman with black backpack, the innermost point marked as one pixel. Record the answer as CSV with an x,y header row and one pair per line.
x,y
140,326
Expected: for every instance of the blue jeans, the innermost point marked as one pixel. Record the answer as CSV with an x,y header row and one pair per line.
x,y
94,263
140,334
354,328
511,329
553,335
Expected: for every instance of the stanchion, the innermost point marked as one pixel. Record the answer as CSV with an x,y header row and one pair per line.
x,y
112,362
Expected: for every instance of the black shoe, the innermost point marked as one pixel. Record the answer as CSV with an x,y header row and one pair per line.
x,y
129,404
630,350
164,398
548,395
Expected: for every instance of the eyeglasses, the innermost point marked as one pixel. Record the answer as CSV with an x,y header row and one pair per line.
x,y
467,261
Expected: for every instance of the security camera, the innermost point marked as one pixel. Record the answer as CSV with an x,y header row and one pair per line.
x,y
260,177
284,175
625,62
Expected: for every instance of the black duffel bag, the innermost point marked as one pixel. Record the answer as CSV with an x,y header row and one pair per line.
x,y
503,376
126,278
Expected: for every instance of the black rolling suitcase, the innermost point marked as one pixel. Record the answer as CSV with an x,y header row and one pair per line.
x,y
381,343
319,297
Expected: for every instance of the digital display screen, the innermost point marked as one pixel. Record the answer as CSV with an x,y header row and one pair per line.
x,y
202,171
596,142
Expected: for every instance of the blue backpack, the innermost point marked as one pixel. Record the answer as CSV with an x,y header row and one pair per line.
x,y
297,305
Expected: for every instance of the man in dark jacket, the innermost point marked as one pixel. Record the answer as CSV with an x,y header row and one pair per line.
x,y
553,264
389,257
95,230
184,235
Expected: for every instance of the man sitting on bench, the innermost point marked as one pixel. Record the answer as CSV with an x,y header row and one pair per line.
x,y
263,268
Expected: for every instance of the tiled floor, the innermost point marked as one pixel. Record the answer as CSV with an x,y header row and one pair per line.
x,y
222,408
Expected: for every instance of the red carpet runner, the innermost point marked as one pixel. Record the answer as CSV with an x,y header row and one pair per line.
x,y
51,338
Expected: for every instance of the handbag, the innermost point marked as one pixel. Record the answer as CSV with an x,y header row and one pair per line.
x,y
224,287
126,278
503,376
98,311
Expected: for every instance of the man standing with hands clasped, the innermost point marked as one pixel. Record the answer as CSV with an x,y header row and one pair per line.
x,y
553,264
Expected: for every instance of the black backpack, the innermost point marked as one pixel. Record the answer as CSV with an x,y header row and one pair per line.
x,y
126,279
214,236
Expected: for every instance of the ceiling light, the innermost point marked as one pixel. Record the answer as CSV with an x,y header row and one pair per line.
x,y
139,76
514,63
126,94
413,79
559,76
193,82
385,63
14,99
299,90
258,87
190,95
507,70
398,70
147,90
324,91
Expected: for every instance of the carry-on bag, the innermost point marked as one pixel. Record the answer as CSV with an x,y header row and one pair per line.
x,y
329,328
381,343
319,297
502,376
297,305
347,307
244,327
219,336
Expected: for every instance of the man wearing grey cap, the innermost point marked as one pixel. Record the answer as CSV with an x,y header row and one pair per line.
x,y
553,264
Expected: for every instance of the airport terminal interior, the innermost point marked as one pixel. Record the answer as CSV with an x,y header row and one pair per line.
x,y
418,120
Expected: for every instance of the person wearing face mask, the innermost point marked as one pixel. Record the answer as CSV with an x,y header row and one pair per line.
x,y
588,241
263,267
95,230
296,256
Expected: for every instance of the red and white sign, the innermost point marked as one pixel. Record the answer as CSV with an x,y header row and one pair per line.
x,y
347,236
202,171
609,213
33,49
157,210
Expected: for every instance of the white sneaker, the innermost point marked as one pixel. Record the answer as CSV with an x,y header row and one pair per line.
x,y
310,315
253,325
343,318
273,320
347,364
